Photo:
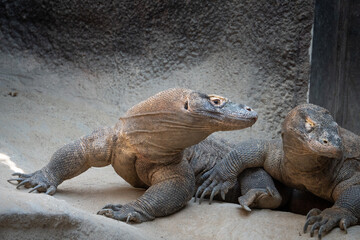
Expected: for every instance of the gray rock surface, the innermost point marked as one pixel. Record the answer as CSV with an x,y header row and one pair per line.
x,y
26,216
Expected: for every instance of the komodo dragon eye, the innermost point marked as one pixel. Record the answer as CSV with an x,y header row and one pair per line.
x,y
217,101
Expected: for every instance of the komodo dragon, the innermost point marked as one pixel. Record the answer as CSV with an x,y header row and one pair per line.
x,y
314,154
146,148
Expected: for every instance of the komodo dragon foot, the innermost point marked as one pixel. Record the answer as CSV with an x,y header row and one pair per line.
x,y
36,181
258,190
125,212
328,219
260,198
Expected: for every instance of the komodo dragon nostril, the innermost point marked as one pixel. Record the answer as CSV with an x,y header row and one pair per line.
x,y
186,105
248,108
325,141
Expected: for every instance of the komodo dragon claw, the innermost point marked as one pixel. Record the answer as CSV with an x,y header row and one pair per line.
x,y
23,183
326,220
35,181
214,185
15,179
21,177
35,188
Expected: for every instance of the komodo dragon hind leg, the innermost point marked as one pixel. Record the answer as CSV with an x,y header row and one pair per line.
x,y
172,186
258,190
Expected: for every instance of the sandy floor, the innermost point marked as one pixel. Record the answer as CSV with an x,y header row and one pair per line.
x,y
37,121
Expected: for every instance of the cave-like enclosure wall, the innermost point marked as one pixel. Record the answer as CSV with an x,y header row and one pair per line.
x,y
120,52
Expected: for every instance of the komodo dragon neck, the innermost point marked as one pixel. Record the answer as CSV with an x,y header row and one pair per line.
x,y
162,135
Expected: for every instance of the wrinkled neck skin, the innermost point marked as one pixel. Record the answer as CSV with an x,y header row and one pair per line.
x,y
162,136
305,170
300,158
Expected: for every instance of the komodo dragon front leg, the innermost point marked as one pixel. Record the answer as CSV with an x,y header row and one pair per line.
x,y
93,150
344,213
220,179
254,188
172,186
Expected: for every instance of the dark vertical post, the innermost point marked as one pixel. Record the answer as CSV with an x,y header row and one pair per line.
x,y
335,63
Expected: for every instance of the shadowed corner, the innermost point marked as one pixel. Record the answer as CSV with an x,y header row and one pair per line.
x,y
5,159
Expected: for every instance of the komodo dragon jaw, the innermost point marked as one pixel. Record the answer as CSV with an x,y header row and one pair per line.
x,y
313,128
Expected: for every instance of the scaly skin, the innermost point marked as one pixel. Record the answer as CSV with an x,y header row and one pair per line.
x,y
146,149
253,187
314,154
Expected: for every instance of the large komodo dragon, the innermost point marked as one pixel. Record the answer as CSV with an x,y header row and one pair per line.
x,y
315,154
146,148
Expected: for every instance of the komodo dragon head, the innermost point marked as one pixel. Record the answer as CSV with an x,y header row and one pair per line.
x,y
310,129
174,119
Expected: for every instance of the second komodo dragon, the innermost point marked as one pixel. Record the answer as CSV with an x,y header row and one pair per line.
x,y
146,148
314,154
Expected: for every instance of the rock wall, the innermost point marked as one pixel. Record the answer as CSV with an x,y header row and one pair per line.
x,y
121,52
68,67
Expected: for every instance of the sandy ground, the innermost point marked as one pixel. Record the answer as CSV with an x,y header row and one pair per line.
x,y
37,121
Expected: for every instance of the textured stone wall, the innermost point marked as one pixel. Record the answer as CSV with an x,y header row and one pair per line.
x,y
121,52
